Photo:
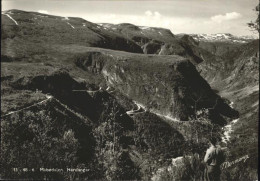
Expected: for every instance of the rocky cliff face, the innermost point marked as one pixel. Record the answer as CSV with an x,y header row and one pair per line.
x,y
233,65
218,57
166,85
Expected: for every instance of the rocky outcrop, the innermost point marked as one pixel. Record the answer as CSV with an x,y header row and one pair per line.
x,y
151,48
58,83
172,49
158,40
141,34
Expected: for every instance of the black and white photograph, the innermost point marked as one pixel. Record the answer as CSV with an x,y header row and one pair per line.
x,y
129,90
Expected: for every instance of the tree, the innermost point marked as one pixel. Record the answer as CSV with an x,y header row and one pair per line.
x,y
32,140
255,24
112,162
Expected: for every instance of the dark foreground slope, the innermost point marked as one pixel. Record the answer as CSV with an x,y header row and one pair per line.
x,y
89,130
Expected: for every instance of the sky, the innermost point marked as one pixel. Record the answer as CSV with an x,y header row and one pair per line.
x,y
180,16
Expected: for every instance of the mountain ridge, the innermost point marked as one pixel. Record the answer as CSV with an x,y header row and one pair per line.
x,y
223,37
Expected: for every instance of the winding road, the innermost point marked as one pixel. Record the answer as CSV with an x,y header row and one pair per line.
x,y
110,90
167,117
48,97
88,91
140,109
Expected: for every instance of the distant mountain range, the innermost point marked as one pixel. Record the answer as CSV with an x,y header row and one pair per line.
x,y
223,37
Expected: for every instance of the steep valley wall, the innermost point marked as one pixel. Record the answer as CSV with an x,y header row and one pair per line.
x,y
168,85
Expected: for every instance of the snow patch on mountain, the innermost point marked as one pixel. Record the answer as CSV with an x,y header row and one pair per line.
x,y
144,27
71,25
222,37
11,18
105,25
